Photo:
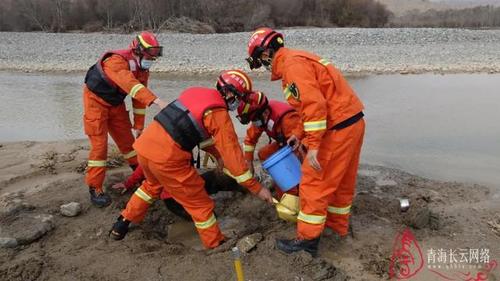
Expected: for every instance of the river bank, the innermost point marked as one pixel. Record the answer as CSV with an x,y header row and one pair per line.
x,y
37,177
353,50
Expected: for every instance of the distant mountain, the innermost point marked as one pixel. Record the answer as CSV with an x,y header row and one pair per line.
x,y
399,7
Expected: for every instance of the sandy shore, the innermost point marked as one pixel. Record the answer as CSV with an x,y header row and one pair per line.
x,y
353,50
37,177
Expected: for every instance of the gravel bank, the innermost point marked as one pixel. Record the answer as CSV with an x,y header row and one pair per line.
x,y
353,50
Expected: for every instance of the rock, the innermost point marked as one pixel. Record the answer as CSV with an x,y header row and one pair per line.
x,y
66,157
29,229
72,209
8,242
231,226
420,219
248,242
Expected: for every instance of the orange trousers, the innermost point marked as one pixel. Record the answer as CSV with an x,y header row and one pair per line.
x,y
100,119
264,153
326,195
186,186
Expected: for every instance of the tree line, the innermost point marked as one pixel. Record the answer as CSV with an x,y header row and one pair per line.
x,y
186,15
477,17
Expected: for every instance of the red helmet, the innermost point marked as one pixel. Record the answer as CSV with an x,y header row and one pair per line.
x,y
146,44
235,81
262,39
252,107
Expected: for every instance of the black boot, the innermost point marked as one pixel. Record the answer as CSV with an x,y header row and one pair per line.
x,y
99,199
120,228
295,245
176,208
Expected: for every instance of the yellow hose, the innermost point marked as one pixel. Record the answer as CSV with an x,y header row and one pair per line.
x,y
237,265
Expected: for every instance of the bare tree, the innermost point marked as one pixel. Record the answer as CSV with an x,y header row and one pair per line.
x,y
32,9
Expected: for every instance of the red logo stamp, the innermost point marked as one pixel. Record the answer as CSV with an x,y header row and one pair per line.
x,y
407,259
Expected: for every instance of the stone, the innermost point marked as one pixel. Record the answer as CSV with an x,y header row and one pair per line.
x,y
8,242
420,219
231,227
72,209
249,242
31,229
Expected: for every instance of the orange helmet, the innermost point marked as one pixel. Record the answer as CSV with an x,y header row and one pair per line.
x,y
146,44
235,81
252,107
263,38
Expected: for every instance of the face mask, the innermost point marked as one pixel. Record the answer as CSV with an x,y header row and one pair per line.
x,y
146,64
267,63
233,105
258,123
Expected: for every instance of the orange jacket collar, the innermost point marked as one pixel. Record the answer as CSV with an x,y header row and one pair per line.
x,y
277,67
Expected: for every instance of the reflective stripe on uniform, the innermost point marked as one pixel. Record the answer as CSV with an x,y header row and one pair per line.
x,y
143,195
130,154
241,178
206,143
248,148
287,93
135,89
324,62
315,126
139,111
206,224
339,211
312,219
96,163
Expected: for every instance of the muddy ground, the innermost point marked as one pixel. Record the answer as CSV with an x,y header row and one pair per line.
x,y
38,243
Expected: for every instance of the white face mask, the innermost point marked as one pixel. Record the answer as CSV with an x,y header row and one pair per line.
x,y
146,64
233,105
267,63
258,123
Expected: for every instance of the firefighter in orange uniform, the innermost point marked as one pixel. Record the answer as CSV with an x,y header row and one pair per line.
x,y
108,82
277,119
334,128
198,117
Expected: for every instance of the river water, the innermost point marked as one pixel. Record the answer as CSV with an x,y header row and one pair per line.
x,y
440,126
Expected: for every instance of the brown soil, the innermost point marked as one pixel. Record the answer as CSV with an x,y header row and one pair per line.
x,y
36,178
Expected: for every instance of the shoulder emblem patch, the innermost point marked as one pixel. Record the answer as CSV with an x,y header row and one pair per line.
x,y
291,90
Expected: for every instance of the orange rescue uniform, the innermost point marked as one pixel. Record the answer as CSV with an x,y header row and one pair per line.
x,y
166,164
333,124
288,126
101,118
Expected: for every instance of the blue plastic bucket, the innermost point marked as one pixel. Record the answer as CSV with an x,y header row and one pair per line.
x,y
284,168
